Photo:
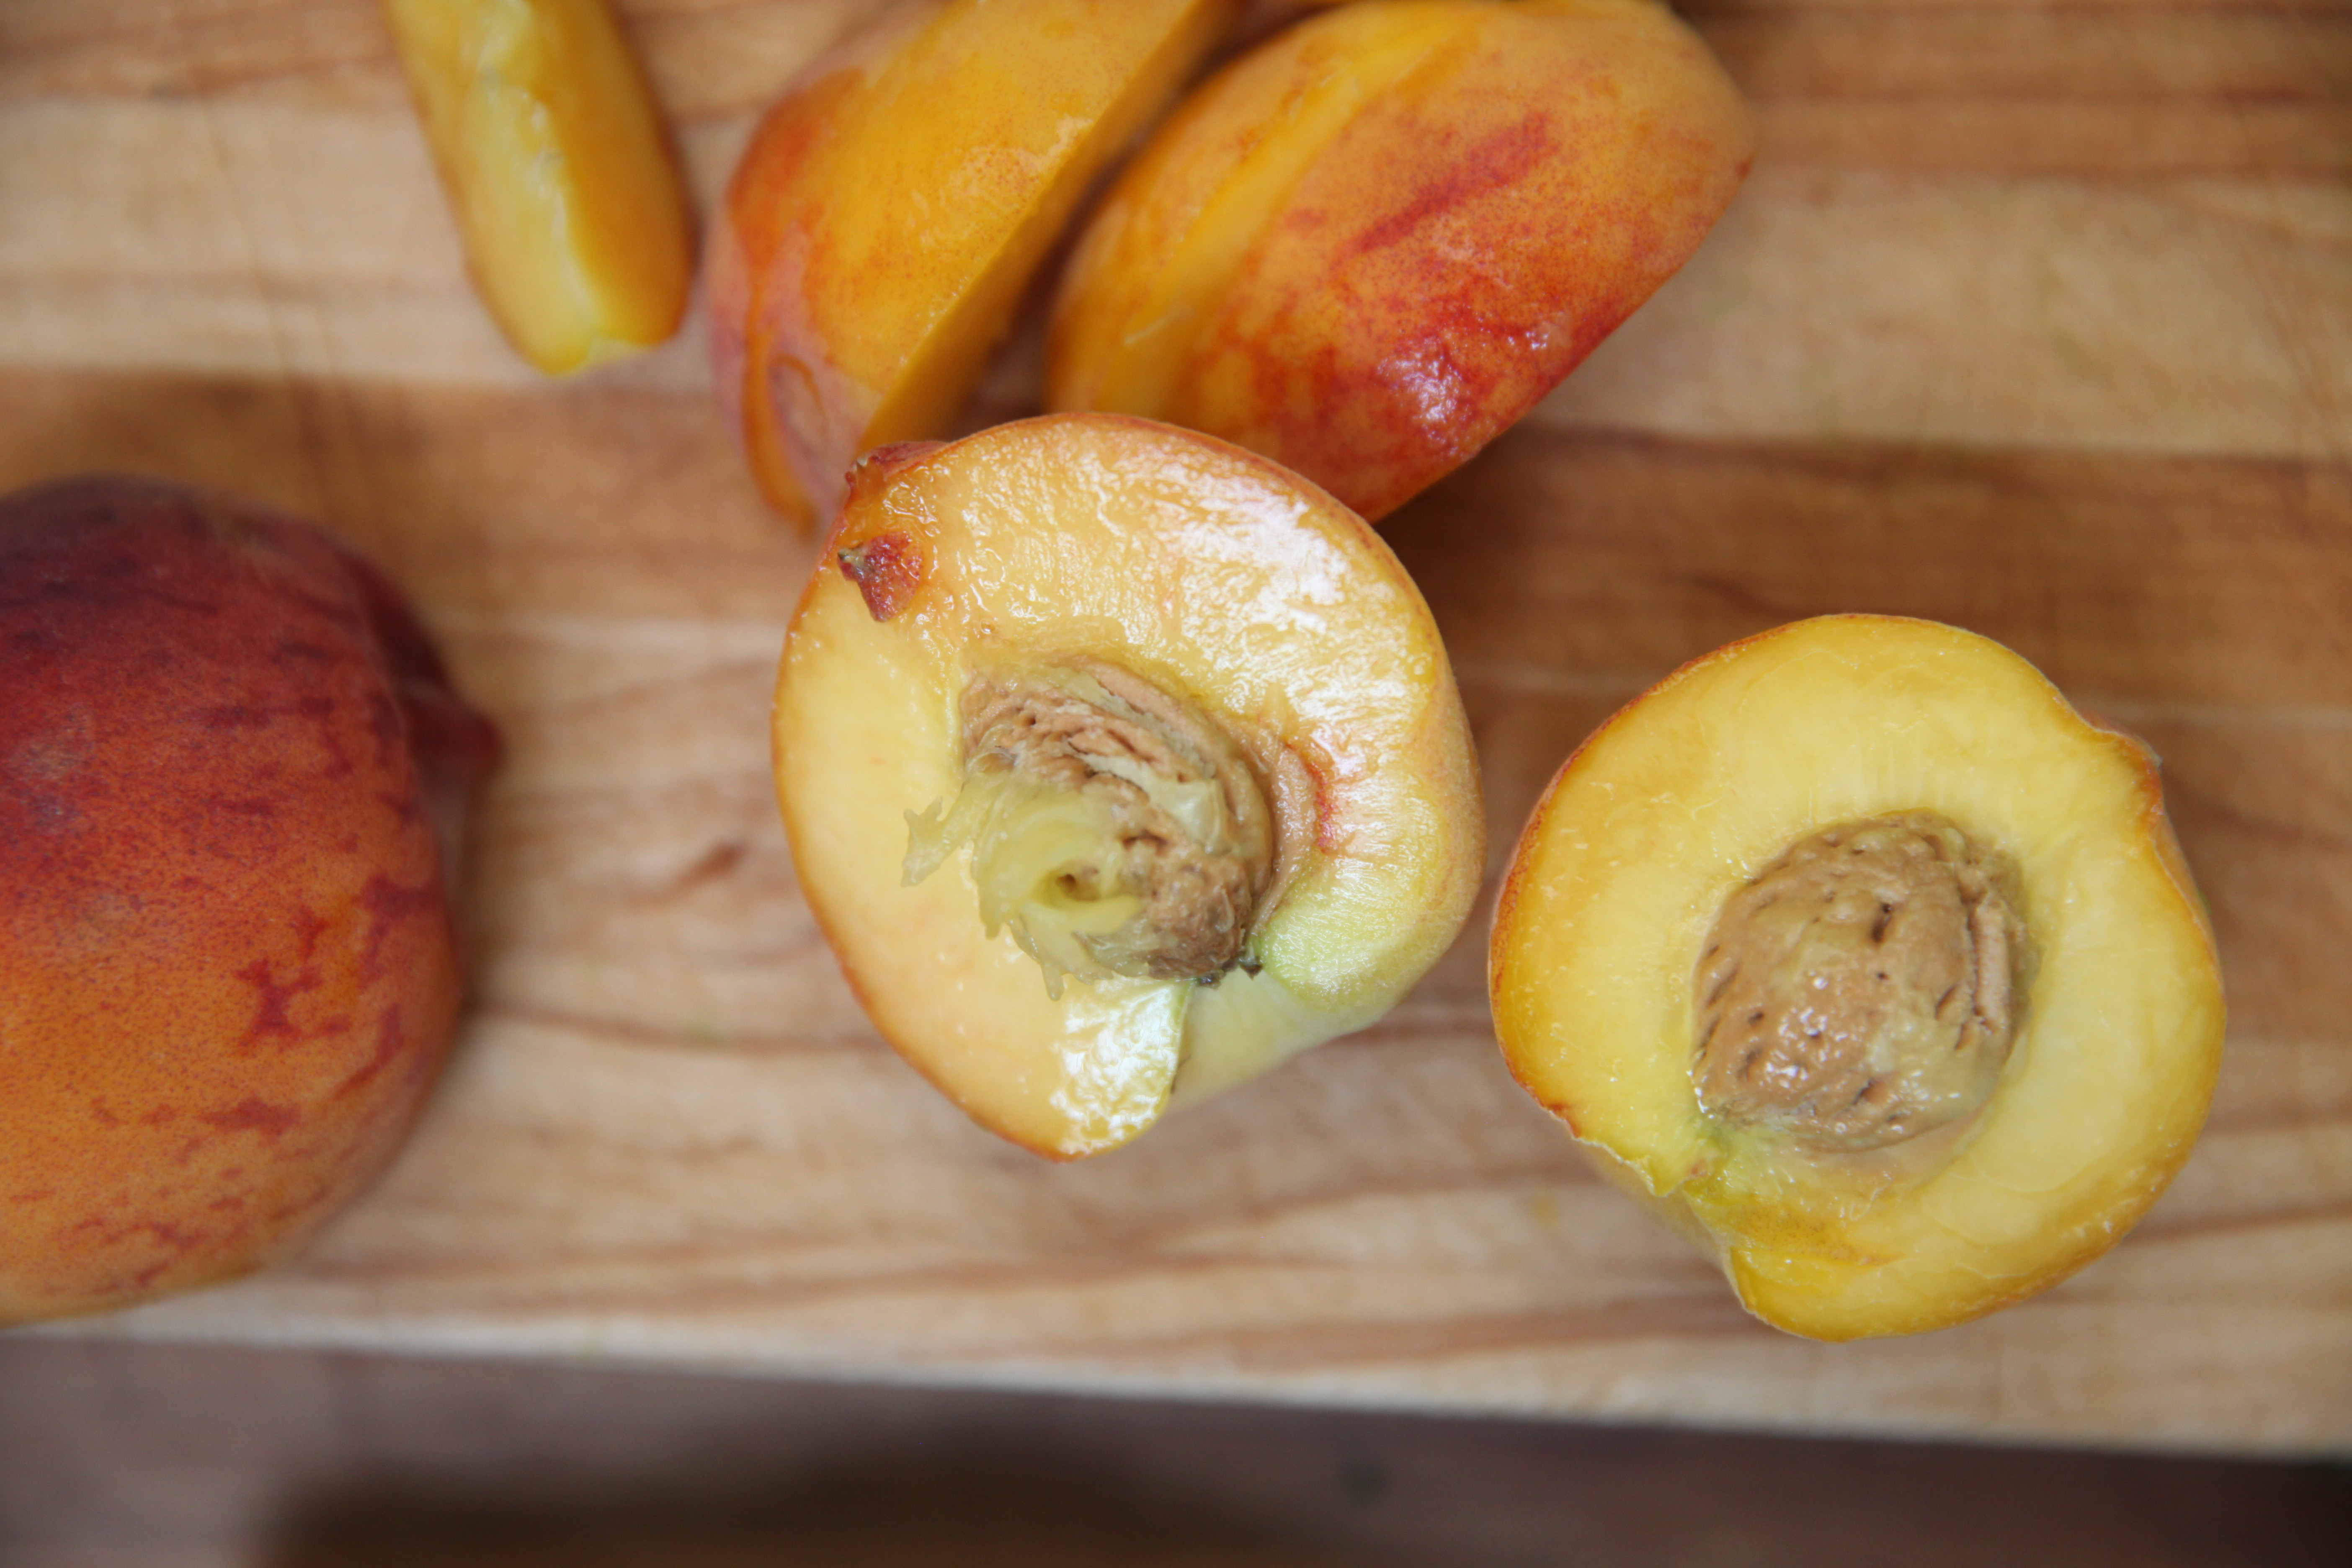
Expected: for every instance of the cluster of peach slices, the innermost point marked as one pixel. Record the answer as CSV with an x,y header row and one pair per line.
x,y
232,771
1363,248
1118,764
1870,964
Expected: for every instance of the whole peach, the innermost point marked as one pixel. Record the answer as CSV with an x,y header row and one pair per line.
x,y
227,964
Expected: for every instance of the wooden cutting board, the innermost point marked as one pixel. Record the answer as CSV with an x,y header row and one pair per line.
x,y
2034,317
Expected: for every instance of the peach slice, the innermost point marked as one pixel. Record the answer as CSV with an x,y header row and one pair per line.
x,y
1118,765
227,967
1371,244
1871,963
892,208
554,159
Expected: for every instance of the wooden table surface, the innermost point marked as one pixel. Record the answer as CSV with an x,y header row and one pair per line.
x,y
2033,318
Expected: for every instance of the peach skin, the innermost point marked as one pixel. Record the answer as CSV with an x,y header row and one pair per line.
x,y
1372,243
228,974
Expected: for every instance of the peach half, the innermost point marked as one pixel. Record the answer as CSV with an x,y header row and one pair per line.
x,y
557,169
893,207
1875,967
1118,765
1371,244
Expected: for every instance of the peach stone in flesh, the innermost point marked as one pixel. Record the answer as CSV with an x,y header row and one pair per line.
x,y
1871,965
1862,988
1116,830
1119,765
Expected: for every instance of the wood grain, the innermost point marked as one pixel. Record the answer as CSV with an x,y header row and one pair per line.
x,y
2016,366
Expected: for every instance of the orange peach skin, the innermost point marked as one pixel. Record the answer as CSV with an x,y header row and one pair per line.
x,y
227,966
1370,244
895,204
559,171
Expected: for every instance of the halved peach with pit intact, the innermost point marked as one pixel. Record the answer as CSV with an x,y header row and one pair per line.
x,y
1874,965
1119,764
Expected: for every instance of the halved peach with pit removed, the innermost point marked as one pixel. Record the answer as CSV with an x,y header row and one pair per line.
x,y
1118,764
1859,954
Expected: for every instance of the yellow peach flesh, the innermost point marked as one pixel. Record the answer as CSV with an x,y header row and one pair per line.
x,y
555,161
1696,786
1216,577
890,210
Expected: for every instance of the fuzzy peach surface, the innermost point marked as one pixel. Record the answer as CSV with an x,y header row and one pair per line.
x,y
1368,247
227,971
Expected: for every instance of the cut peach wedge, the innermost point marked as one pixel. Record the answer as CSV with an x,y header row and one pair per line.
x,y
1118,765
1372,243
1870,962
556,163
893,205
